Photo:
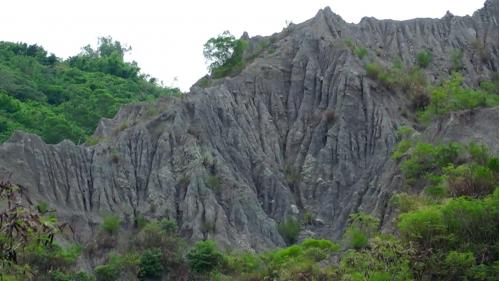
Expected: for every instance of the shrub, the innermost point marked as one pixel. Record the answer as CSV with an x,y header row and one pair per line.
x,y
401,148
349,43
471,180
289,229
356,238
490,87
360,52
140,221
361,227
42,207
111,223
245,262
117,268
425,158
309,218
435,192
71,276
456,60
479,153
161,237
310,250
373,70
459,224
150,265
168,225
151,236
425,226
407,202
424,58
204,257
208,159
45,258
452,96
459,265
306,271
386,259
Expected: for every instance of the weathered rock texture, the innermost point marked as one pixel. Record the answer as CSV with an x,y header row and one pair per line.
x,y
300,129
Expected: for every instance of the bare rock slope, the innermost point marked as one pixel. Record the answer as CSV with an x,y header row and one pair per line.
x,y
300,129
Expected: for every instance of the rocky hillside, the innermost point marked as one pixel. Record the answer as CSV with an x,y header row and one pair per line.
x,y
301,129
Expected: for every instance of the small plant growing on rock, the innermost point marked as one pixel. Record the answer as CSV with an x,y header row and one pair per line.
x,y
424,58
349,43
42,207
289,229
456,60
208,159
111,223
309,218
360,52
361,227
168,225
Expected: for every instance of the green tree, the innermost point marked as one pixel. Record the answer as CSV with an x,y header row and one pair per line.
x,y
218,50
204,257
224,54
150,265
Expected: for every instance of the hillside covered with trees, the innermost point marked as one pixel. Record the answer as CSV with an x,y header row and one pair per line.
x,y
64,99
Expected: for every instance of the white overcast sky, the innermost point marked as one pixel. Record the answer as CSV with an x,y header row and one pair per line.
x,y
167,36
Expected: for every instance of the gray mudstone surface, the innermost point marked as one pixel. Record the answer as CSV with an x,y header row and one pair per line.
x,y
300,129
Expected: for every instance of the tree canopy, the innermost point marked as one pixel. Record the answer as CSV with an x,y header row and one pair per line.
x,y
224,54
64,99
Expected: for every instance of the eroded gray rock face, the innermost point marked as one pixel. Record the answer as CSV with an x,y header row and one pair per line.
x,y
300,129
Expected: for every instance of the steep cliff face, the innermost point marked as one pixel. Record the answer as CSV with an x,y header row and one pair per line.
x,y
300,129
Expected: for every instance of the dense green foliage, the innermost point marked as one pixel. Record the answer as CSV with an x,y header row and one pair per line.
x,y
57,99
384,258
452,96
453,224
204,257
430,101
225,54
150,264
449,169
462,234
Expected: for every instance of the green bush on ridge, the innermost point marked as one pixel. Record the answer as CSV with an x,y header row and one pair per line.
x,y
225,54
